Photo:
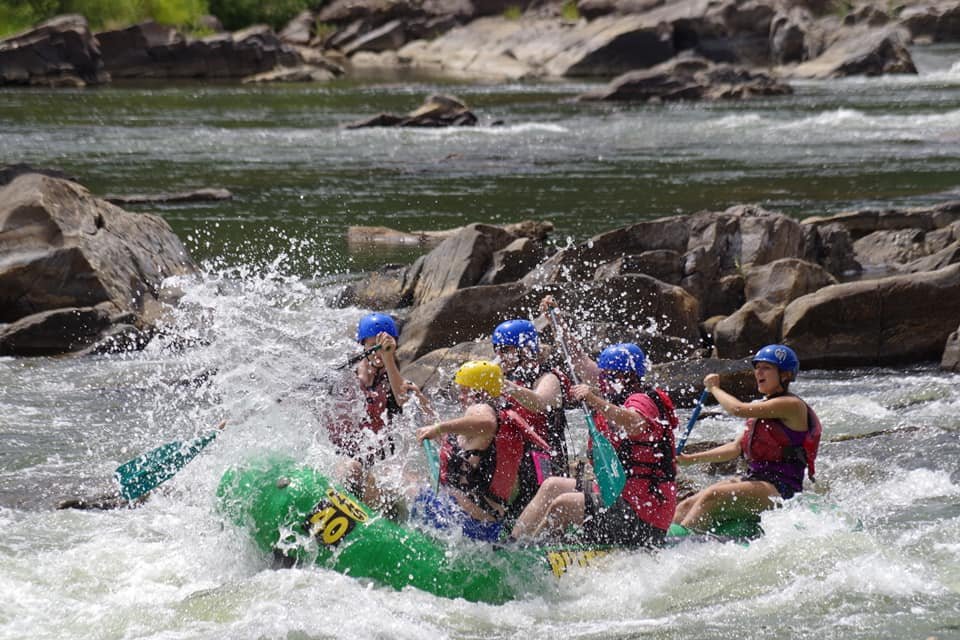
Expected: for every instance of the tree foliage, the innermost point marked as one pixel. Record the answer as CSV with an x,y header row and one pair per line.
x,y
236,14
17,15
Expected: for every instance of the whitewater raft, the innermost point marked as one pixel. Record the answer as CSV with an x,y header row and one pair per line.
x,y
299,516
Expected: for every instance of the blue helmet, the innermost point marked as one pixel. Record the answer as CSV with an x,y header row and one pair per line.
x,y
516,333
625,356
374,323
780,356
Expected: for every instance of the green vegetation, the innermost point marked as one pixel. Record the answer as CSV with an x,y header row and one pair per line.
x,y
569,11
237,14
513,12
18,15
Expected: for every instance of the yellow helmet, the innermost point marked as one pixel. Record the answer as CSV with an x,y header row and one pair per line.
x,y
481,375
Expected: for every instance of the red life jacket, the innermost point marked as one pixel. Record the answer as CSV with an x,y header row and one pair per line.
x,y
650,463
550,426
346,434
495,477
769,440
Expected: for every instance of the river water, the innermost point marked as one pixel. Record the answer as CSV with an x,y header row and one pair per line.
x,y
256,332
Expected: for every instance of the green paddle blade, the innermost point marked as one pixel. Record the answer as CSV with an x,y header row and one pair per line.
x,y
148,471
611,477
433,462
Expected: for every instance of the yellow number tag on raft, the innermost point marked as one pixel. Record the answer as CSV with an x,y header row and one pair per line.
x,y
562,560
334,518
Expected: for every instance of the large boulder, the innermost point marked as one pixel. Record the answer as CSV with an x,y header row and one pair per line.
x,y
151,50
688,79
459,261
755,323
462,316
932,22
857,51
876,322
72,264
58,52
782,281
536,47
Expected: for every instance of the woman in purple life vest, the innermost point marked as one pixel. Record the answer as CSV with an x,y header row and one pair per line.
x,y
780,442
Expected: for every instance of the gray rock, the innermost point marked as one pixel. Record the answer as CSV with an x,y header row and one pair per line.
x,y
61,249
58,52
875,322
755,323
869,52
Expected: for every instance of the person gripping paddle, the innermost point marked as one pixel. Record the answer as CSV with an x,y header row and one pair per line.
x,y
638,422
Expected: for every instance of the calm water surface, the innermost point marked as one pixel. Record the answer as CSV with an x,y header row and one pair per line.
x,y
884,562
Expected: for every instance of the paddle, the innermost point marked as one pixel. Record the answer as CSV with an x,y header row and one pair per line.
x,y
433,463
607,467
148,471
693,420
357,358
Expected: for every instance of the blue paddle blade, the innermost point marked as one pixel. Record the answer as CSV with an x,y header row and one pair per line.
x,y
433,463
148,471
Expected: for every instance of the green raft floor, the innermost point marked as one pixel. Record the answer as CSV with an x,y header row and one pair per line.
x,y
295,513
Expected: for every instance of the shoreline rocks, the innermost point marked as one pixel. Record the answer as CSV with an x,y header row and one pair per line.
x,y
490,40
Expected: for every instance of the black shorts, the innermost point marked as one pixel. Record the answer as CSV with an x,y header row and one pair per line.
x,y
619,524
786,490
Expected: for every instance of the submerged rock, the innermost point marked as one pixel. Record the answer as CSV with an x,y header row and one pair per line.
x,y
436,111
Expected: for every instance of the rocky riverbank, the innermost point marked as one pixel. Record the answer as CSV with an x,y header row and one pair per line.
x,y
501,39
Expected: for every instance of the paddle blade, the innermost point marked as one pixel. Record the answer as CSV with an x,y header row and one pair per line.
x,y
611,476
433,463
148,471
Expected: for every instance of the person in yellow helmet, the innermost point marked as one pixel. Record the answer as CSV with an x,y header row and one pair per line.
x,y
480,454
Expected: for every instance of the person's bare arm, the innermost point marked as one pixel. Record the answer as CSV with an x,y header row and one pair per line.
x,y
388,353
478,420
790,409
546,395
723,453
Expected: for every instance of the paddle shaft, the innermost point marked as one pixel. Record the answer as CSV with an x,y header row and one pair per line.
x,y
360,356
692,421
608,469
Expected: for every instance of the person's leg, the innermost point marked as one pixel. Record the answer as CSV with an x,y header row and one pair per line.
x,y
564,510
531,516
349,472
683,507
728,500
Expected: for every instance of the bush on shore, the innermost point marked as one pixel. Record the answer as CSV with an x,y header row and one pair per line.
x,y
18,15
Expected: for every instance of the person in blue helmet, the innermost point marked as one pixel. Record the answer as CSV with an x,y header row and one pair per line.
x,y
537,392
779,444
384,391
638,420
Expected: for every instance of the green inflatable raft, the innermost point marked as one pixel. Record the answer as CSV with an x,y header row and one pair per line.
x,y
295,513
